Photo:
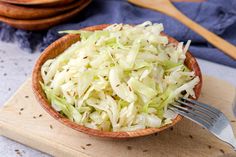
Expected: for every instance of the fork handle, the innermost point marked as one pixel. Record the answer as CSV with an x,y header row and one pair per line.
x,y
233,144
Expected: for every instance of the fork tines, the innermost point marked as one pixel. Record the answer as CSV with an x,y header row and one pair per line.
x,y
202,114
207,116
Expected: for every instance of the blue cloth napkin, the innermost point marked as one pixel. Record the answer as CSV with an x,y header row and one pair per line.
x,y
218,16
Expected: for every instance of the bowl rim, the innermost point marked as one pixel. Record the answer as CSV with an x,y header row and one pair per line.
x,y
63,43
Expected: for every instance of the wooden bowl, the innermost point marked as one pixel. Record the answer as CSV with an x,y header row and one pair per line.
x,y
62,44
42,24
34,12
38,2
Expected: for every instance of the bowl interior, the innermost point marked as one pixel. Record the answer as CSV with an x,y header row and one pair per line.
x,y
62,44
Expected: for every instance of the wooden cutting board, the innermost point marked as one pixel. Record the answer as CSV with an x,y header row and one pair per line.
x,y
22,119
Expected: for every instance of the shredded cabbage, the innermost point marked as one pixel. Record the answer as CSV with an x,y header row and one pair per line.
x,y
121,78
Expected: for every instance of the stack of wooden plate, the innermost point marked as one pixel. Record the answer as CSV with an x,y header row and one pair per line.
x,y
39,14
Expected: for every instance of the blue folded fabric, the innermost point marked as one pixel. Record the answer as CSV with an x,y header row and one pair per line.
x,y
218,16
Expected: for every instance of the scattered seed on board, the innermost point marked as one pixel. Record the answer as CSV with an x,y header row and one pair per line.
x,y
51,127
222,151
129,147
88,144
82,147
145,150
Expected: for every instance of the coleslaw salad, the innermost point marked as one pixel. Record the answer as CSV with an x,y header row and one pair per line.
x,y
121,78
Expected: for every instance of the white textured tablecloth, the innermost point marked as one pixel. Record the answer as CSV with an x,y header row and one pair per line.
x,y
16,65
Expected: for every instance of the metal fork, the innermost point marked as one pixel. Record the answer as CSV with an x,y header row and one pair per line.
x,y
208,117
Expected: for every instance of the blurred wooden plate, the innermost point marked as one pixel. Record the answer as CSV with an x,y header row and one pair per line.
x,y
26,12
46,23
38,2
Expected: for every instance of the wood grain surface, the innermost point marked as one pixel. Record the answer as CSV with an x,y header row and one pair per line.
x,y
23,119
33,12
59,47
46,23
